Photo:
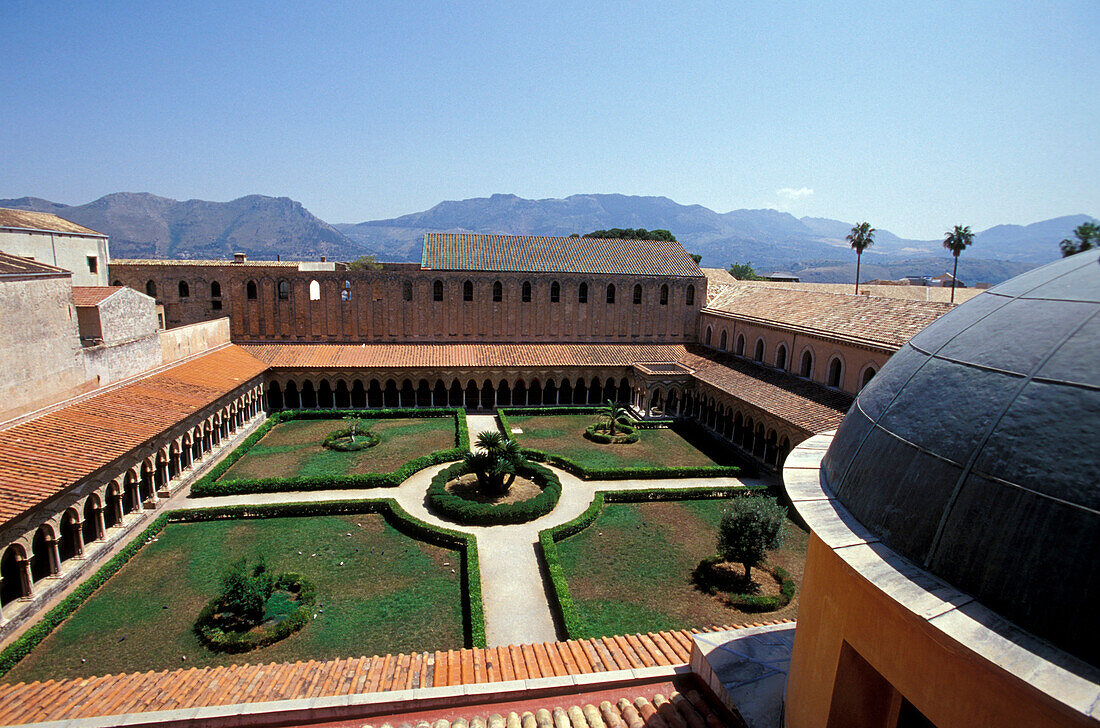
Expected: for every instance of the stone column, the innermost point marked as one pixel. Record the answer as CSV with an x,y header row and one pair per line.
x,y
27,581
100,524
54,556
79,536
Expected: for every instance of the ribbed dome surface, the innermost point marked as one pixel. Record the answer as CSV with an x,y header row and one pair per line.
x,y
975,452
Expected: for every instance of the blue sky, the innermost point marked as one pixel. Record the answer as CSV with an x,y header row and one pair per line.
x,y
914,116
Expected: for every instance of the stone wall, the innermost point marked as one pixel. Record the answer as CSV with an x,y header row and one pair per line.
x,y
184,341
63,250
106,363
41,355
399,305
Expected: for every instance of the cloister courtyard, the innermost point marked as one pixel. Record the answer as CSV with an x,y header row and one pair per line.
x,y
392,575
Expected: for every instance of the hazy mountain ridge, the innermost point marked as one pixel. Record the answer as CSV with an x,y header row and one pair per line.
x,y
145,225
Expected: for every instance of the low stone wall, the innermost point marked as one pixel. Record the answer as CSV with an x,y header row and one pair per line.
x,y
184,341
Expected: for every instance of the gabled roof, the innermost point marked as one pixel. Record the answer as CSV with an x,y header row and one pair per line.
x,y
871,320
93,295
41,457
27,220
536,254
13,265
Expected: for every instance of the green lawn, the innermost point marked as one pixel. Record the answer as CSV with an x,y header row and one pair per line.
x,y
392,594
293,448
564,435
631,570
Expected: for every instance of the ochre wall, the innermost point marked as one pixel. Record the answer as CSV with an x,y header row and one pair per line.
x,y
376,309
840,612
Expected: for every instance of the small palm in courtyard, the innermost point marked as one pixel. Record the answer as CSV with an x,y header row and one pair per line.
x,y
494,462
612,411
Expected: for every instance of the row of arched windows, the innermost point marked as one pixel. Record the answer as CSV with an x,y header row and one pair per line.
x,y
555,293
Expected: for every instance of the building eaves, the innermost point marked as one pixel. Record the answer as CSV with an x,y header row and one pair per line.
x,y
42,222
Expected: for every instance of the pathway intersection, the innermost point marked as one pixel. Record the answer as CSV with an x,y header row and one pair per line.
x,y
514,592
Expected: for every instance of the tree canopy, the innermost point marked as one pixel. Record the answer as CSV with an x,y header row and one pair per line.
x,y
365,262
745,272
1088,236
628,234
749,528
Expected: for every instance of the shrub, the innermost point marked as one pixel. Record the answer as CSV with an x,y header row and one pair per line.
x,y
751,602
459,509
220,628
344,441
600,432
749,527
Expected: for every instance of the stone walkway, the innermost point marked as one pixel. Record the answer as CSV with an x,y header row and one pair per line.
x,y
513,590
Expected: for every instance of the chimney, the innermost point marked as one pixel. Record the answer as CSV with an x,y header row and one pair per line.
x,y
239,257
323,259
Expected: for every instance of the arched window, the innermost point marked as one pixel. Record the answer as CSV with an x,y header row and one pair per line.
x,y
151,289
611,293
555,292
250,291
664,295
117,283
525,296
437,291
706,339
345,296
722,341
283,290
836,371
868,374
690,299
314,291
807,368
406,290
498,292
758,355
185,290
468,291
740,345
215,289
637,294
582,293
781,357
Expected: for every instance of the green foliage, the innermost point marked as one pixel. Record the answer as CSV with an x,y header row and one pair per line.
x,y
209,485
957,241
696,257
242,595
1088,237
613,411
861,237
339,440
749,528
364,262
461,510
495,463
277,616
744,272
601,432
630,234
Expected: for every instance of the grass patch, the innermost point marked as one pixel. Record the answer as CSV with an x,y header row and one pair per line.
x,y
392,594
631,569
293,449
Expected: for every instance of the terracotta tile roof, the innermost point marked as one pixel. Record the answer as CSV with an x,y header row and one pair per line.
x,y
882,290
93,295
534,254
234,684
27,220
809,406
718,276
401,356
13,265
228,263
873,320
41,457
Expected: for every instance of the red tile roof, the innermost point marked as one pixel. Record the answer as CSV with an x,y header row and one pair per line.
x,y
27,220
234,684
41,457
884,322
13,265
536,254
93,295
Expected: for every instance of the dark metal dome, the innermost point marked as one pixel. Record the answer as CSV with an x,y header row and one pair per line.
x,y
975,452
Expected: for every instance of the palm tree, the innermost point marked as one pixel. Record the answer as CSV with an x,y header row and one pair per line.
x,y
612,411
1087,233
957,241
860,238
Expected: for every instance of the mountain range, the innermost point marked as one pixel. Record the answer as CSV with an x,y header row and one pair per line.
x,y
143,225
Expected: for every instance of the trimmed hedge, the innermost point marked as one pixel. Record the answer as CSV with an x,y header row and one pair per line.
x,y
624,435
209,485
754,602
696,471
472,513
473,609
217,640
334,441
548,540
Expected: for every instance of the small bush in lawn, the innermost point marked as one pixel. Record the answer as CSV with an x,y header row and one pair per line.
x,y
750,527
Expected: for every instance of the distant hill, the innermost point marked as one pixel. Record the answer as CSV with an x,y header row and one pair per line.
x,y
144,225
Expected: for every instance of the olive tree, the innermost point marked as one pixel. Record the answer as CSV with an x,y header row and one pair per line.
x,y
750,526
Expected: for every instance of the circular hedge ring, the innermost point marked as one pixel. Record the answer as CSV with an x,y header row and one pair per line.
x,y
471,513
213,631
624,434
341,440
748,602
